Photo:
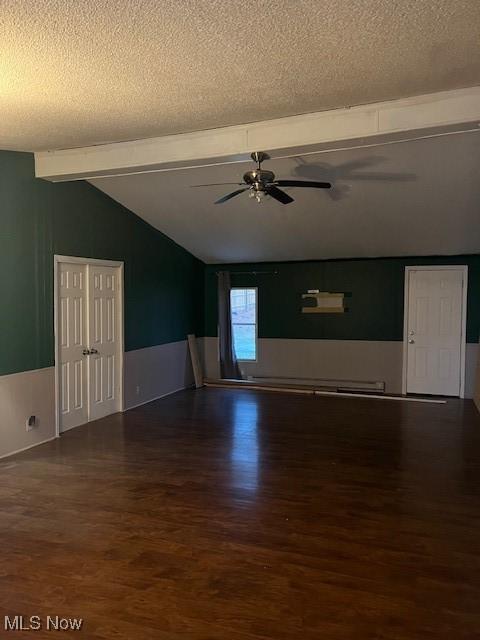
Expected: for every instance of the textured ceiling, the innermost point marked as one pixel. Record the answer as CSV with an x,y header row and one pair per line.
x,y
82,73
411,198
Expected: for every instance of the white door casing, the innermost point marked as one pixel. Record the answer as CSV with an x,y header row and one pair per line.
x,y
71,339
434,333
88,340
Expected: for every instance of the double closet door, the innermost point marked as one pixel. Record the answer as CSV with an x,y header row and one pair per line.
x,y
89,343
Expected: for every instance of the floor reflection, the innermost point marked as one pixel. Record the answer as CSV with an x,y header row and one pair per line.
x,y
432,457
245,447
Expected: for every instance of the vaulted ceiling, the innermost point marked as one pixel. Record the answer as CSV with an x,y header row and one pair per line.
x,y
410,198
81,73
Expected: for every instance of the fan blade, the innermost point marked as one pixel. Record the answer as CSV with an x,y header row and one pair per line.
x,y
231,195
303,183
215,184
279,195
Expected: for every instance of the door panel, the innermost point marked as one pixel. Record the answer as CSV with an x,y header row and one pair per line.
x,y
89,343
71,342
434,331
104,372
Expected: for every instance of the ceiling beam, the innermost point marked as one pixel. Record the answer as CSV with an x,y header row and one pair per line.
x,y
437,113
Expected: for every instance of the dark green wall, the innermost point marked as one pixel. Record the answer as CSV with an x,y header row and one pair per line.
x,y
163,282
375,302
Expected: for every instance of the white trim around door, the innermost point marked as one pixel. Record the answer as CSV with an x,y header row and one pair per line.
x,y
75,260
451,267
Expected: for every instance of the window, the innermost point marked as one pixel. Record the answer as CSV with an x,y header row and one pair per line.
x,y
244,322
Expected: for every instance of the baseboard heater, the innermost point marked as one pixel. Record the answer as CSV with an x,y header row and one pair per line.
x,y
323,384
302,385
312,389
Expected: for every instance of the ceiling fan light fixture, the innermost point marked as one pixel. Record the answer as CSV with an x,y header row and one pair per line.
x,y
262,183
257,195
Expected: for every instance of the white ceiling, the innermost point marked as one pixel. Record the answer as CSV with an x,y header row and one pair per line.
x,y
82,73
412,198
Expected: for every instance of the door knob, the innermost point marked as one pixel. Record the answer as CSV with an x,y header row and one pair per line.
x,y
89,352
411,341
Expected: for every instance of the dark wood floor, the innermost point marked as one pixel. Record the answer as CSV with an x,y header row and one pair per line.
x,y
240,515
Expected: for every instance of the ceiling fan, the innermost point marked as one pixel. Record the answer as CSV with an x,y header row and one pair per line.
x,y
261,183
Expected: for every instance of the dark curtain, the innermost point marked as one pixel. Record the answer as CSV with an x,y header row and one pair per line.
x,y
228,360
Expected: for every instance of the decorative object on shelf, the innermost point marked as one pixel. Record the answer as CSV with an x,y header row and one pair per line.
x,y
325,302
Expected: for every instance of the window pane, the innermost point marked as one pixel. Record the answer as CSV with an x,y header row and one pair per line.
x,y
244,318
244,341
243,305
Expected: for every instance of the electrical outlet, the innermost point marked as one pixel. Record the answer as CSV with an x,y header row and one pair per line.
x,y
31,423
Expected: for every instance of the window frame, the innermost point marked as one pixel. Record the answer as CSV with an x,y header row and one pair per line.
x,y
247,323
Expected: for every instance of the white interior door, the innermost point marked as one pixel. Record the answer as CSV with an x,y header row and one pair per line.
x,y
89,342
434,331
104,330
72,339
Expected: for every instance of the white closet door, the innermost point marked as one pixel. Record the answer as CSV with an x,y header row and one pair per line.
x,y
104,341
72,341
435,302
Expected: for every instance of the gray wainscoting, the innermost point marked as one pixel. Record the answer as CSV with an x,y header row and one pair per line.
x,y
22,395
148,374
361,360
156,371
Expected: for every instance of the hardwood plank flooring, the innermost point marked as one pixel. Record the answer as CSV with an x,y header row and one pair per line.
x,y
241,515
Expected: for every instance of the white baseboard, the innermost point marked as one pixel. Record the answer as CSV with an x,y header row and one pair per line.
x,y
30,446
334,359
75,426
154,371
135,406
29,393
140,404
164,395
311,391
342,394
